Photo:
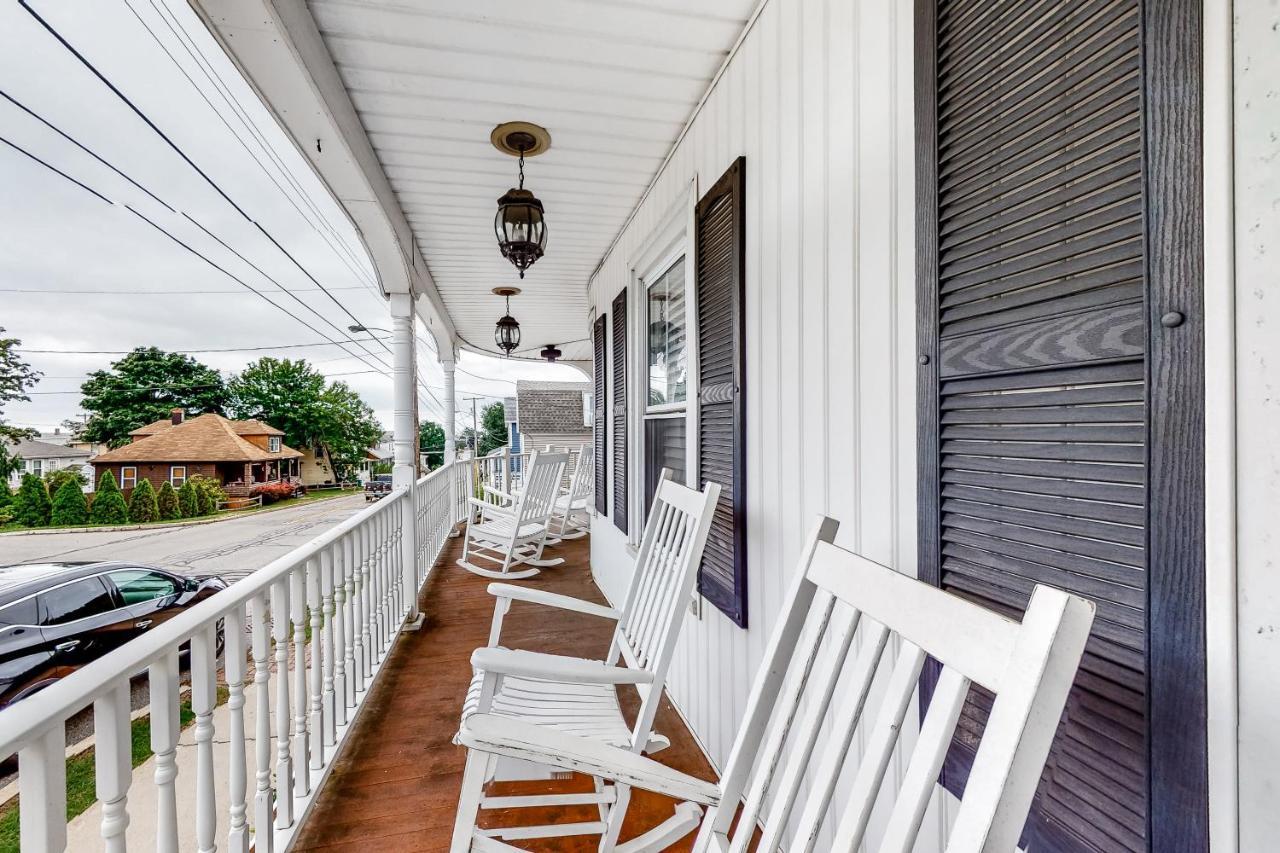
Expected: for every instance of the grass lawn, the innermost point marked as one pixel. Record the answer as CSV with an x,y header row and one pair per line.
x,y
310,497
80,782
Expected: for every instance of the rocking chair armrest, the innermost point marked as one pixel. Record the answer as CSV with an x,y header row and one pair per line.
x,y
497,493
551,599
513,738
545,667
485,506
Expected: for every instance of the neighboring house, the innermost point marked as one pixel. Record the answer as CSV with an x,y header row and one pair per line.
x,y
555,413
41,457
317,467
238,454
68,439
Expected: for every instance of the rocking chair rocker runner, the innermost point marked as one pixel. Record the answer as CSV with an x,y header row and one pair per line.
x,y
578,697
514,535
838,597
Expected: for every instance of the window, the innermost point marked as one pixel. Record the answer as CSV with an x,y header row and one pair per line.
x,y
177,476
665,316
77,600
319,451
140,585
20,613
128,476
588,418
36,466
273,444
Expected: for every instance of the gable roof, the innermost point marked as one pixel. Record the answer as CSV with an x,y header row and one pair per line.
x,y
31,449
249,426
206,438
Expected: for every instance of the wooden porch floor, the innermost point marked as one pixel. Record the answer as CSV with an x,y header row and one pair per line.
x,y
395,785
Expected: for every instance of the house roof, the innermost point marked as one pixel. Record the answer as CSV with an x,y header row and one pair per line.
x,y
249,426
551,408
31,449
206,438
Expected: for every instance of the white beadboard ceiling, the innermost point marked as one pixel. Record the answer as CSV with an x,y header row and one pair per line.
x,y
614,81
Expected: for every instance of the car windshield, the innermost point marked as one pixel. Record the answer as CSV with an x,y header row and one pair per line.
x,y
139,585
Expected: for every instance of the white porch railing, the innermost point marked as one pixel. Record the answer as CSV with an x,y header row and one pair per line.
x,y
305,637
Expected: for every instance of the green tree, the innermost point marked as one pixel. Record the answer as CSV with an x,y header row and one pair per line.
x,y
188,500
31,507
167,502
208,493
144,387
55,479
16,378
6,496
493,428
431,442
293,397
108,505
69,505
142,504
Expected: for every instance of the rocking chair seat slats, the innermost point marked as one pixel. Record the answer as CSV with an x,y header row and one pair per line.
x,y
586,710
499,530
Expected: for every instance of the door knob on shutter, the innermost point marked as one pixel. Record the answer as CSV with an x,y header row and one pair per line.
x,y
1172,319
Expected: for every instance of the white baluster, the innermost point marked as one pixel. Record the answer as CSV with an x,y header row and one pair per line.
x,y
315,723
328,705
375,586
163,679
301,701
340,636
280,611
42,789
263,837
233,666
363,554
355,643
204,696
113,763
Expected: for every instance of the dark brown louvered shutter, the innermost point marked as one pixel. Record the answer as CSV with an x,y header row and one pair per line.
x,y
1049,393
599,425
620,411
722,424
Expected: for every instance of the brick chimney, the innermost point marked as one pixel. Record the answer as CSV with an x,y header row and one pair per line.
x,y
175,417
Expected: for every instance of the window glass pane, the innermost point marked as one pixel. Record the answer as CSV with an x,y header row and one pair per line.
x,y
668,362
77,600
664,447
22,613
139,585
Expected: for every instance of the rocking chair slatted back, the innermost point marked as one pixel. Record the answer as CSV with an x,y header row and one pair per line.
x,y
542,485
663,581
583,475
848,619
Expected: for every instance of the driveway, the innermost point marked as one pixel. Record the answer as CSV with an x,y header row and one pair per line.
x,y
232,548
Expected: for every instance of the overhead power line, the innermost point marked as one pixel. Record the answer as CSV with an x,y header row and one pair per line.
x,y
60,290
182,351
93,69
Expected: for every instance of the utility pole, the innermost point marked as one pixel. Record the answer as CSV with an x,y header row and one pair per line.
x,y
475,426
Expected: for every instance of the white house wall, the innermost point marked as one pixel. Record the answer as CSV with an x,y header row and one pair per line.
x,y
818,98
1257,302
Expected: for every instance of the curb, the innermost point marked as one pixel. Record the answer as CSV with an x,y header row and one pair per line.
x,y
115,528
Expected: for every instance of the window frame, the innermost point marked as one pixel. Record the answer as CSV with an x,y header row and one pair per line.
x,y
100,577
173,480
133,479
36,467
670,240
273,444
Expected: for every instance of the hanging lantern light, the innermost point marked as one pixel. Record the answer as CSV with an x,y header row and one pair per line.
x,y
519,225
551,353
507,332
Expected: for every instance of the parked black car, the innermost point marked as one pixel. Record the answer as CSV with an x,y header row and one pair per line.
x,y
377,488
58,617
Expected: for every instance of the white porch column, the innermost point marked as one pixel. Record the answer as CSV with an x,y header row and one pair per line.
x,y
450,412
405,431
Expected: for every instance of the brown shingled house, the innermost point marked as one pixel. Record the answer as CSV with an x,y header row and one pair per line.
x,y
238,454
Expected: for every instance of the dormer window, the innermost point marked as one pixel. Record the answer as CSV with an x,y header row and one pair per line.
x,y
273,444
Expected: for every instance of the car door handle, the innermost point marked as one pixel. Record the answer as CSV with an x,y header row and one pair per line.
x,y
67,646
142,623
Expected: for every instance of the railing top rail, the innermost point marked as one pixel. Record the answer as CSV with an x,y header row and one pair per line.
x,y
59,701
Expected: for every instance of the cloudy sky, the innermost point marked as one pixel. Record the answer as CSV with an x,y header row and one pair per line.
x,y
83,276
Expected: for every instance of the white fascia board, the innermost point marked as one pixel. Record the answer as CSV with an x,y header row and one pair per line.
x,y
279,51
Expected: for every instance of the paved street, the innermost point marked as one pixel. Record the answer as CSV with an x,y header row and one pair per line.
x,y
232,548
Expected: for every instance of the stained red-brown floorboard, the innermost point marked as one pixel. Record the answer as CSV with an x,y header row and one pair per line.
x,y
395,785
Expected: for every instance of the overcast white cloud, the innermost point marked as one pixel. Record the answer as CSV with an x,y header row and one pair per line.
x,y
78,273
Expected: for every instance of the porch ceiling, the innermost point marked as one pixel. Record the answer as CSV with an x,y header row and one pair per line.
x,y
614,82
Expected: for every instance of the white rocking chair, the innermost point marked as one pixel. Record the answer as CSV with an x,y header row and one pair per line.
x,y
773,771
576,697
571,518
514,534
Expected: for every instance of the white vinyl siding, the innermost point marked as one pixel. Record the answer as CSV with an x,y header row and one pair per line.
x,y
818,98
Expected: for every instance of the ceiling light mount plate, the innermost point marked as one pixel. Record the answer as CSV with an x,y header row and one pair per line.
x,y
506,291
520,137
